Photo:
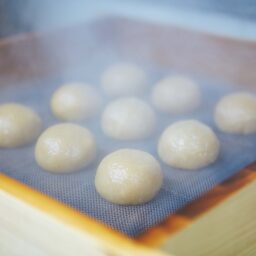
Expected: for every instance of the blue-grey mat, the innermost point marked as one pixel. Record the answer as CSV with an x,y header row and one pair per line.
x,y
77,190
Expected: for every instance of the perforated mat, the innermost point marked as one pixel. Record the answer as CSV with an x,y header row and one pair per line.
x,y
77,189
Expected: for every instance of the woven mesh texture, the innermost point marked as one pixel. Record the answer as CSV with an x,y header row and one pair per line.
x,y
77,189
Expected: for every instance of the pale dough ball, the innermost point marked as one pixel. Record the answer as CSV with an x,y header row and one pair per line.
x,y
75,101
188,145
19,125
176,94
124,79
236,113
65,148
128,176
128,119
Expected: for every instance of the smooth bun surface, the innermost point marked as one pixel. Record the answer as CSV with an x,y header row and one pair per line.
x,y
19,125
124,79
128,176
176,94
75,101
236,113
188,145
128,119
65,148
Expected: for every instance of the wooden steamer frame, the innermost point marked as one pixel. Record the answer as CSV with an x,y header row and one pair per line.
x,y
34,224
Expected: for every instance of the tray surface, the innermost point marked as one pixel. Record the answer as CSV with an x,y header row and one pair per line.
x,y
77,190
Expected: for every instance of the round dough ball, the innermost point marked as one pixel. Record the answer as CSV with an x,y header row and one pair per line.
x,y
176,94
236,113
188,145
75,101
128,176
19,125
65,148
128,119
124,79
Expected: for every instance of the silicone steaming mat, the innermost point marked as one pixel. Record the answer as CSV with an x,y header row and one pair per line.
x,y
77,189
